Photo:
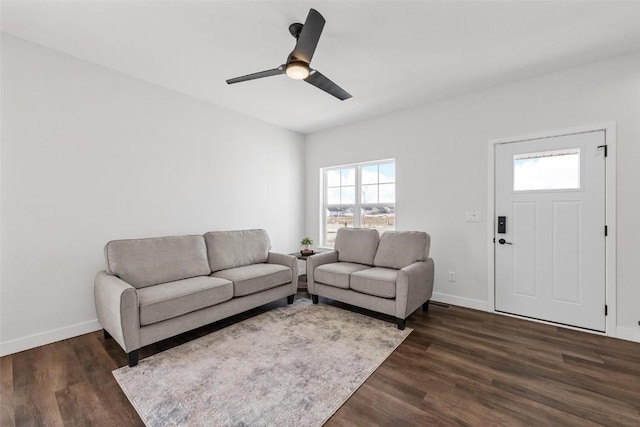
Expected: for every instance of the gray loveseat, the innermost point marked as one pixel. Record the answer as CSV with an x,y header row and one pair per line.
x,y
390,274
156,288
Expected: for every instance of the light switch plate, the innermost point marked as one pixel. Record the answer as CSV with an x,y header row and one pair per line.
x,y
474,216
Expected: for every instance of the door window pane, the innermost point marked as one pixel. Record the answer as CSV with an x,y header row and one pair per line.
x,y
548,170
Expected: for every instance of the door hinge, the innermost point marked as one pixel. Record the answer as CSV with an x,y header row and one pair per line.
x,y
606,152
606,231
494,240
606,310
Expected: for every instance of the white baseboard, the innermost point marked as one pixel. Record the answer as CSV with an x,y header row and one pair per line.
x,y
48,337
475,304
628,334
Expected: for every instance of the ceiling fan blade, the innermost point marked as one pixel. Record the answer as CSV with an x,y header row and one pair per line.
x,y
309,36
318,79
258,75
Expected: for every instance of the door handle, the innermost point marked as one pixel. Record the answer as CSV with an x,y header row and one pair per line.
x,y
502,242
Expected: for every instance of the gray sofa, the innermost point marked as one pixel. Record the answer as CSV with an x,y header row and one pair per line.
x,y
390,274
156,288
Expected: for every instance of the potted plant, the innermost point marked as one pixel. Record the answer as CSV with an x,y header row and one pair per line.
x,y
306,246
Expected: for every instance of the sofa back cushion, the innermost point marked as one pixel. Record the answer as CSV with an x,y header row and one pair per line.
x,y
146,262
357,245
398,249
231,249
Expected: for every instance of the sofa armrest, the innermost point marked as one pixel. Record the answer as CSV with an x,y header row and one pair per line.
x,y
414,287
288,261
117,308
315,261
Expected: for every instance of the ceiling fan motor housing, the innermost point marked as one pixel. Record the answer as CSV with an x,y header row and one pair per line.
x,y
295,29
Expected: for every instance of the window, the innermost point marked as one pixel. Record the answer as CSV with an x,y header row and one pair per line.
x,y
548,170
359,195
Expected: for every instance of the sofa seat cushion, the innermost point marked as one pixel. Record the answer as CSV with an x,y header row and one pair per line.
x,y
254,278
380,282
336,274
173,299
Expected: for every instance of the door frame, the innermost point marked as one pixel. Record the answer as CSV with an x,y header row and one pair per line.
x,y
609,129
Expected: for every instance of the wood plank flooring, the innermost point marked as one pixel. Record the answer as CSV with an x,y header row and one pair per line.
x,y
458,367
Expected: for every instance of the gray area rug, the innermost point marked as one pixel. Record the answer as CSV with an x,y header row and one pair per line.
x,y
291,366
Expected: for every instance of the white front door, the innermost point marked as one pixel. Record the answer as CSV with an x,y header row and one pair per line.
x,y
550,229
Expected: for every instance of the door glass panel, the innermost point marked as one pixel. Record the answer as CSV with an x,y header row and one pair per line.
x,y
547,170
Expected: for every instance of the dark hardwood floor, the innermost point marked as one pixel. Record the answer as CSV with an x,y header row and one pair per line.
x,y
458,367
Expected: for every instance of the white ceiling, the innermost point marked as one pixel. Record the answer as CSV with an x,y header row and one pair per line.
x,y
388,54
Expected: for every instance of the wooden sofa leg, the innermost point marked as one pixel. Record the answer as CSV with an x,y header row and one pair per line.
x,y
290,299
314,299
425,306
133,358
401,323
106,334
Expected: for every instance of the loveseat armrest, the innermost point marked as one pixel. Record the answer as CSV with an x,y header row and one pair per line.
x,y
414,287
117,308
288,261
315,261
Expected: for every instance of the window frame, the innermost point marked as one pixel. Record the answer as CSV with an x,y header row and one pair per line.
x,y
357,206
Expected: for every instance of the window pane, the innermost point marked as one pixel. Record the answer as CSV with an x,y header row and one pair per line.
x,y
348,176
387,172
333,196
381,217
333,178
370,174
369,194
348,195
337,218
548,170
387,193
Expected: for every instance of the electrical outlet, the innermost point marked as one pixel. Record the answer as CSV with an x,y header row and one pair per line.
x,y
474,216
452,276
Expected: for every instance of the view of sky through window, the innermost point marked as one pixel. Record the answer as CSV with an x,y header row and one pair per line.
x,y
549,170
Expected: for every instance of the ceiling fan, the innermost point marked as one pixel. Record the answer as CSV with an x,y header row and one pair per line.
x,y
297,65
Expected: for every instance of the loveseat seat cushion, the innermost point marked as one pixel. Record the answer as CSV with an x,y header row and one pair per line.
x,y
357,245
380,282
231,249
173,299
398,249
146,262
336,274
253,278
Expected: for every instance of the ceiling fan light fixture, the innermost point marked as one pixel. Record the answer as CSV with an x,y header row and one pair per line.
x,y
297,70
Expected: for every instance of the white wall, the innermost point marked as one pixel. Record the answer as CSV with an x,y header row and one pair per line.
x,y
90,155
441,153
